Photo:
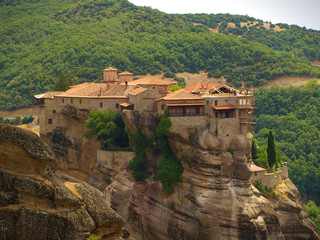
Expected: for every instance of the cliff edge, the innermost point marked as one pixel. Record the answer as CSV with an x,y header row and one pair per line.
x,y
37,203
215,200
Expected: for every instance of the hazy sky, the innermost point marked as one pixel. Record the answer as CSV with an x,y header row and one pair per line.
x,y
304,13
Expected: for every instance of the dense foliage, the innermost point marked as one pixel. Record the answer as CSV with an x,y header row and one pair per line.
x,y
140,165
293,114
314,213
169,168
45,44
107,127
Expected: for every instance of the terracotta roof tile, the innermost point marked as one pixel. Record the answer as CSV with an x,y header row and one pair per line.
x,y
150,80
255,168
110,69
197,86
182,95
185,104
125,73
223,107
126,104
48,94
137,91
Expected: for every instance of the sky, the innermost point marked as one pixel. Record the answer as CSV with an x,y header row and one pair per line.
x,y
304,13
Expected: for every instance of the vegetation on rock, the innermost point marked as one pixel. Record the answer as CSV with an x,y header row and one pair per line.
x,y
140,165
108,127
169,168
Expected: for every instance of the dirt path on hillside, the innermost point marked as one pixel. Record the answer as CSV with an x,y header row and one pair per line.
x,y
23,112
290,81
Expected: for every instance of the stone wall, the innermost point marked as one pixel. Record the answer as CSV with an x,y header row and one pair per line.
x,y
271,179
108,165
145,101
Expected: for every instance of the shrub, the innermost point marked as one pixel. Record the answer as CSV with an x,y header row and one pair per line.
x,y
262,189
140,164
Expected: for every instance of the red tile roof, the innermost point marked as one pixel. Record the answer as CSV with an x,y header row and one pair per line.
x,y
185,104
182,95
125,73
126,104
48,94
137,91
197,86
223,107
255,168
150,80
110,69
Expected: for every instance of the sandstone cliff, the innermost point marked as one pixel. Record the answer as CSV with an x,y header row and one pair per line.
x,y
215,199
36,203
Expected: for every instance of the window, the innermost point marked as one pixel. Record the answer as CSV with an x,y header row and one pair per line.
x,y
117,105
101,105
207,102
80,101
71,100
50,120
62,100
54,111
216,102
162,107
226,101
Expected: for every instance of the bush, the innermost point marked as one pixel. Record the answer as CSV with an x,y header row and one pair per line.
x,y
140,164
262,189
169,173
107,127
169,168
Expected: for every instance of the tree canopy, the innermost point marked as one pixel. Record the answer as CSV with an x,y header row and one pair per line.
x,y
293,115
44,40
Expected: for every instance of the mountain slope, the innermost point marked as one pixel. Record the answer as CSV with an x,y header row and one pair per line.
x,y
42,39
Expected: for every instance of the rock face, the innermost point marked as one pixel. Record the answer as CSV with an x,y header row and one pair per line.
x,y
76,154
215,199
36,203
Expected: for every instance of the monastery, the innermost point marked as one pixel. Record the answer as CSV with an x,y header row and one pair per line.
x,y
227,111
120,92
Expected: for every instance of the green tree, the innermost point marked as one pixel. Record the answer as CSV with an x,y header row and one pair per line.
x,y
271,150
140,164
62,83
314,213
254,149
108,128
169,170
17,120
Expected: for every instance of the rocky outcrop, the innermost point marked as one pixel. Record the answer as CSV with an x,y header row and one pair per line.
x,y
215,200
76,154
37,203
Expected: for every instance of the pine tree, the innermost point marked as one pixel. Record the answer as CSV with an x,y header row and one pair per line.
x,y
271,150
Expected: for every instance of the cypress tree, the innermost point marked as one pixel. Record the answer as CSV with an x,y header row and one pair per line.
x,y
271,150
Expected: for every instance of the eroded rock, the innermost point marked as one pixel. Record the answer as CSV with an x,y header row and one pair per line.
x,y
37,203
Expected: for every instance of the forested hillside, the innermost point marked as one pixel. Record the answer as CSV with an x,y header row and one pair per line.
x,y
41,40
293,114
